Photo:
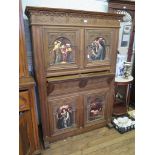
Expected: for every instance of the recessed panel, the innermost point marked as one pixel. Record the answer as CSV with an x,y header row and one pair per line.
x,y
95,106
63,113
98,47
61,49
65,116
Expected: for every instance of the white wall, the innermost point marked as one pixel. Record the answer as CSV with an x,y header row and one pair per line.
x,y
90,5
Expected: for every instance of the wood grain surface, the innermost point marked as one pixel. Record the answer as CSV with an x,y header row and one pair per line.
x,y
102,141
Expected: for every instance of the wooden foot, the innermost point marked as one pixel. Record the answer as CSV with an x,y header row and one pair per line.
x,y
110,126
46,144
37,152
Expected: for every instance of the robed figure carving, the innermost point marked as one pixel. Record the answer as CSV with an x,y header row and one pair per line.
x,y
62,51
97,49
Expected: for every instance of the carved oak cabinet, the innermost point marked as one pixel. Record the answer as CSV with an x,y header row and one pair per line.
x,y
28,129
74,58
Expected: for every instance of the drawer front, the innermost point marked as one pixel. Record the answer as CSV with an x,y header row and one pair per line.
x,y
24,101
78,85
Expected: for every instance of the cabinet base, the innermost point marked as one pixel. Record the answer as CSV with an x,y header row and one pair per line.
x,y
37,152
46,145
74,133
110,126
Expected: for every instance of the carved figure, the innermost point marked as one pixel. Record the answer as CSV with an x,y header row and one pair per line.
x,y
95,109
56,49
97,50
62,51
69,52
64,117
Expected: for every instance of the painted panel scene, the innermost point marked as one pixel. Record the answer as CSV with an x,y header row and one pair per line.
x,y
95,108
97,50
62,52
64,117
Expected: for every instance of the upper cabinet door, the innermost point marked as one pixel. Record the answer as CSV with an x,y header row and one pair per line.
x,y
98,47
61,48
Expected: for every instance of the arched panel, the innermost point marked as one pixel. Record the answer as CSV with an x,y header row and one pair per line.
x,y
63,51
97,49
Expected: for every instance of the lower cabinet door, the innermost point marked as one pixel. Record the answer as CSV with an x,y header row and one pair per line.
x,y
77,111
64,114
26,139
95,106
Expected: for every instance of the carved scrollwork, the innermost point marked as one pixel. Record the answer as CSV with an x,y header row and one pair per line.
x,y
62,16
50,88
109,80
83,82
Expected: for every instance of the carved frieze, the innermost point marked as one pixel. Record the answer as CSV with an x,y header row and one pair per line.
x,y
40,16
83,82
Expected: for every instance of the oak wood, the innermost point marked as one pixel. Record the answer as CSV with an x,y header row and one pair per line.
x,y
26,139
72,83
40,77
24,101
70,17
26,81
28,128
23,68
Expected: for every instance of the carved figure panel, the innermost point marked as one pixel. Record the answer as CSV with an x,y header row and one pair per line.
x,y
95,104
95,107
61,48
97,49
63,51
63,114
98,45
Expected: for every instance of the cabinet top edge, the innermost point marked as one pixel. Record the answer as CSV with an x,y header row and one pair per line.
x,y
46,11
26,82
